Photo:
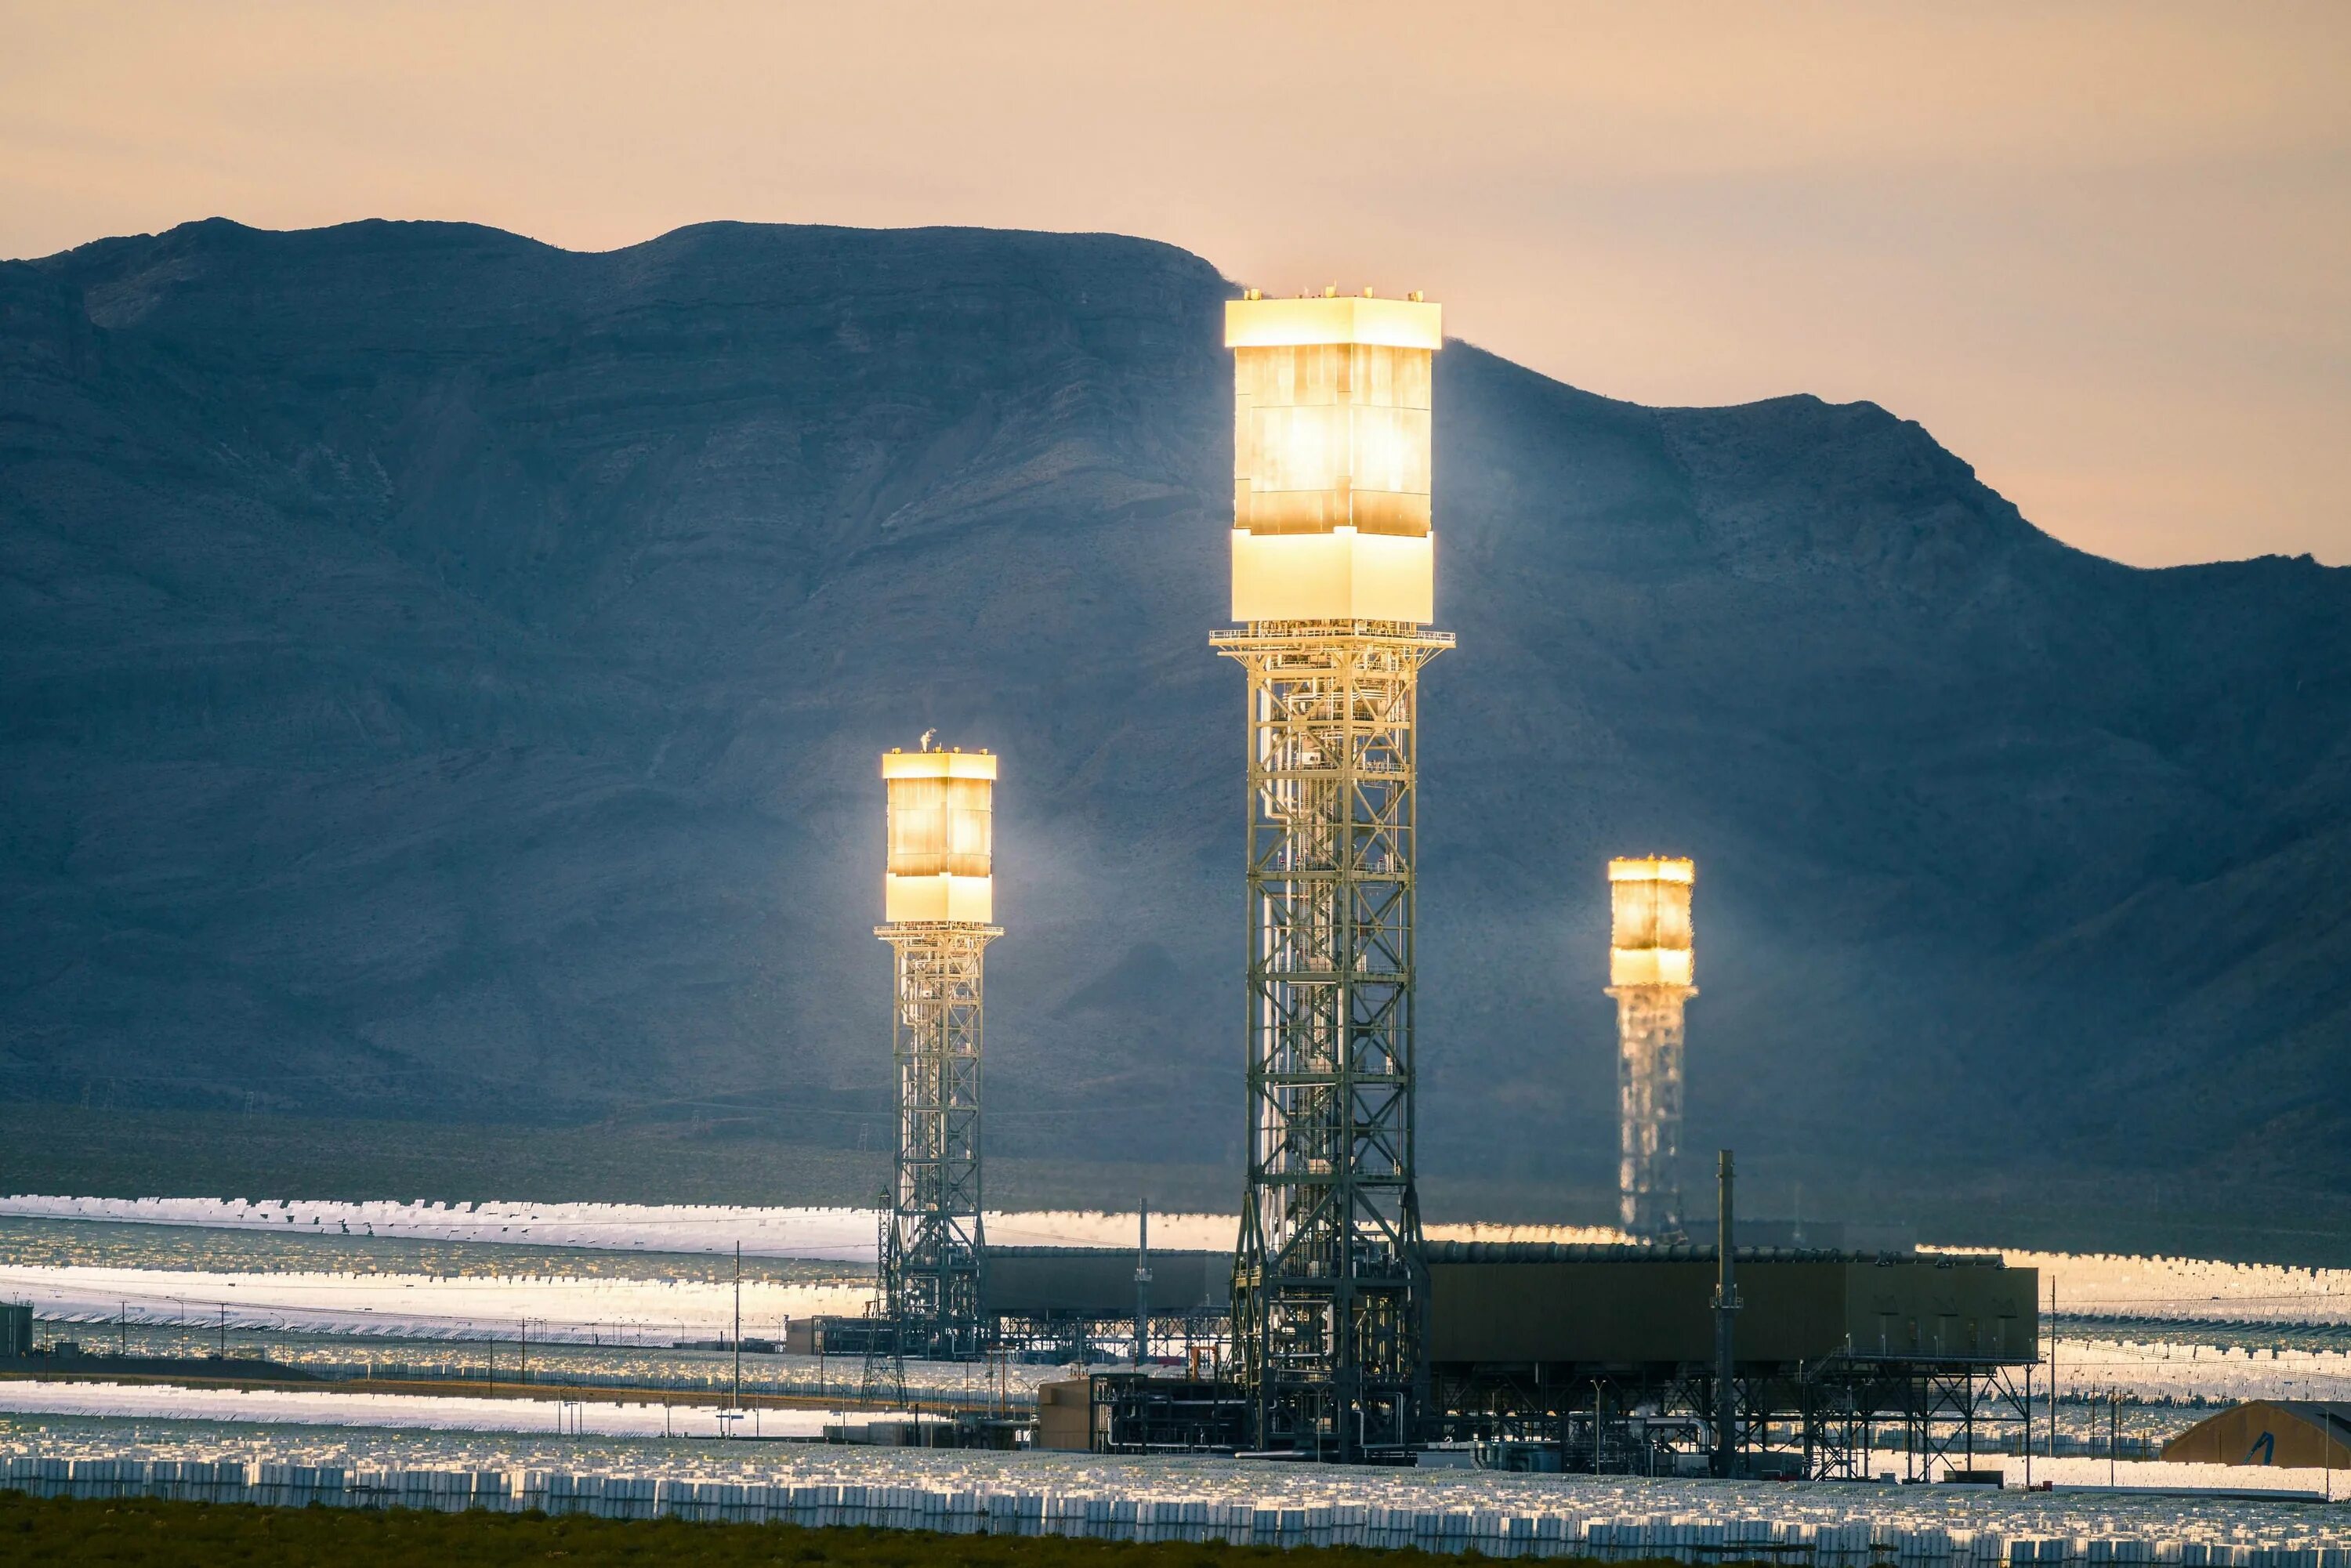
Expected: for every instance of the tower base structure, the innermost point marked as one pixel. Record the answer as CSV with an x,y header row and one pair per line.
x,y
1328,1302
934,1241
1649,1101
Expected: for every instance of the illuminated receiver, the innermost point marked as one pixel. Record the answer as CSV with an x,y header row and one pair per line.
x,y
942,836
1331,457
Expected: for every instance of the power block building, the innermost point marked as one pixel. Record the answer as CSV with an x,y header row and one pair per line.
x,y
939,905
1333,586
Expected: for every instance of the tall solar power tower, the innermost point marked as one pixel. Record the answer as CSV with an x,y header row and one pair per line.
x,y
939,902
1650,974
1333,586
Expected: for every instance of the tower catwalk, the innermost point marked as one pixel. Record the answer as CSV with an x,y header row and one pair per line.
x,y
1334,583
1649,974
938,898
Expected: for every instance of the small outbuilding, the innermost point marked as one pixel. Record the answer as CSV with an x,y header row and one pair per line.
x,y
16,1330
1065,1415
2293,1434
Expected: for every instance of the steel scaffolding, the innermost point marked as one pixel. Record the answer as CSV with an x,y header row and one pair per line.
x,y
932,1261
1824,1420
1326,1304
1649,1103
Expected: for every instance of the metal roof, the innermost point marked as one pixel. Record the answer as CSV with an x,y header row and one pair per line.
x,y
1682,1253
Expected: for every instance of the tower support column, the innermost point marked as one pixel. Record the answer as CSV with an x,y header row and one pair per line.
x,y
1326,1298
937,1238
1649,1106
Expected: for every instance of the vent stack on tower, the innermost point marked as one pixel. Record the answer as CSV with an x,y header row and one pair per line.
x,y
1650,975
938,902
1333,584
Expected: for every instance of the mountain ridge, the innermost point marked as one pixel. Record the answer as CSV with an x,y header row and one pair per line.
x,y
445,673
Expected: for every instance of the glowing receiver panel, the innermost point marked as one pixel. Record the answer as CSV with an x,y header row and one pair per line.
x,y
942,836
1331,458
1649,902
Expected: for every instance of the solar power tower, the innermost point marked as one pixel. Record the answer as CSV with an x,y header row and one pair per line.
x,y
1650,974
1333,586
939,902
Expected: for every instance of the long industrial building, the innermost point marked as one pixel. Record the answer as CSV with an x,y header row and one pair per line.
x,y
1606,1358
1075,1304
1074,1300
1612,1352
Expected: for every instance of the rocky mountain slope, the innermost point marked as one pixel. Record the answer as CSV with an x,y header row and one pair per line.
x,y
441,675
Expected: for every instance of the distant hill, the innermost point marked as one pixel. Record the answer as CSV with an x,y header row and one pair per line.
x,y
441,675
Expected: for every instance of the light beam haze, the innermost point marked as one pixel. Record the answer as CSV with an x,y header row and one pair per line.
x,y
2101,250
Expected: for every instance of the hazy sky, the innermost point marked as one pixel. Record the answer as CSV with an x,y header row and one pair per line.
x,y
2101,251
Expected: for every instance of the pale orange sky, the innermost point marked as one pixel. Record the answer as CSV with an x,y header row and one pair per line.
x,y
2101,251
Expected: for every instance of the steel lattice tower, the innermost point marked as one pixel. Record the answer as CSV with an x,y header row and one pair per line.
x,y
1333,579
939,897
1650,975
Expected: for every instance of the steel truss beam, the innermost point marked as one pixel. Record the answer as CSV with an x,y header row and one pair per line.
x,y
934,1242
1827,1416
1943,1411
1326,1300
1083,1337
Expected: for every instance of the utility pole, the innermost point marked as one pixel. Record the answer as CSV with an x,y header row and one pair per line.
x,y
1143,1286
2028,1428
2053,1366
1725,1307
738,1325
